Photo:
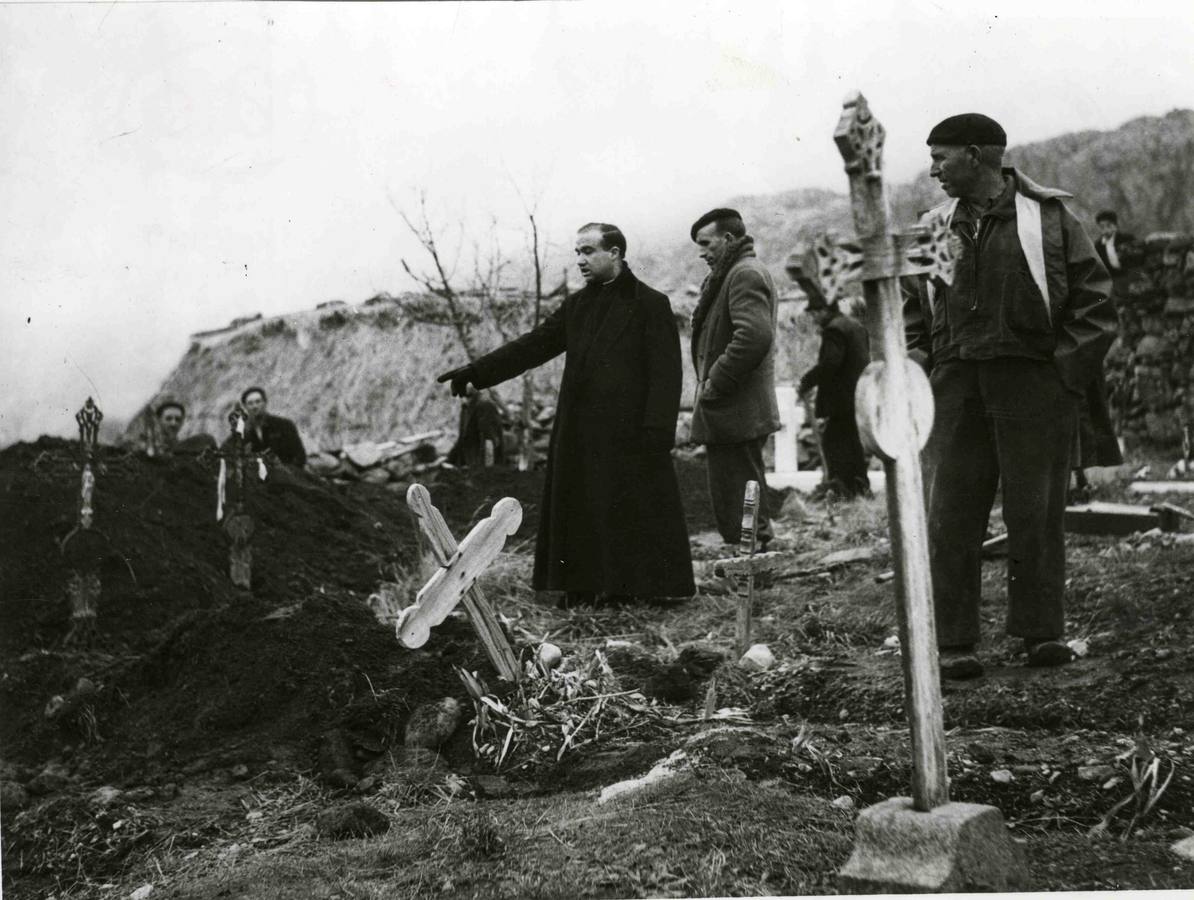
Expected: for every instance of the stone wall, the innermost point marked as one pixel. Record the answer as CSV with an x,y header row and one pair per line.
x,y
1150,367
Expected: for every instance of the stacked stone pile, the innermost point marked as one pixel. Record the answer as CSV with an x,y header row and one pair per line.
x,y
1150,367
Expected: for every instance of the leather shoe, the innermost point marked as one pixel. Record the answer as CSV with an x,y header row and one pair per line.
x,y
959,663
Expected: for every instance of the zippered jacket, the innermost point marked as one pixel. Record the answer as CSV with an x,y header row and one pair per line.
x,y
1026,282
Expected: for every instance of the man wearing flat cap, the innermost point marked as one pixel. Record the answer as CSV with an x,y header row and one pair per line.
x,y
1012,337
733,330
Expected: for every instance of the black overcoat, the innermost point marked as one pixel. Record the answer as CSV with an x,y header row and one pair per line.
x,y
611,518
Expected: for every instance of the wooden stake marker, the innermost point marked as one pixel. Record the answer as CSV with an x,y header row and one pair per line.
x,y
925,842
455,581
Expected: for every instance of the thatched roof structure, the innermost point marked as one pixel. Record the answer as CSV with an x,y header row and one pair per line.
x,y
347,374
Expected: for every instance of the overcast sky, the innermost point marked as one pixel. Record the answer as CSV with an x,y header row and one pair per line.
x,y
166,167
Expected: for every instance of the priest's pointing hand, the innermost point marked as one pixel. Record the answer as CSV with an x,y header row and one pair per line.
x,y
460,378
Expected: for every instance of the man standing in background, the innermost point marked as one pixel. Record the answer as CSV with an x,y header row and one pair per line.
x,y
845,352
733,332
266,432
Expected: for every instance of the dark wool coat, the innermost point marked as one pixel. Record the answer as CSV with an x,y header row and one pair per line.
x,y
611,519
734,359
845,352
480,421
281,436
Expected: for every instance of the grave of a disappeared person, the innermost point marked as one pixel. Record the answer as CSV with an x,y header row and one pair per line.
x,y
923,842
455,581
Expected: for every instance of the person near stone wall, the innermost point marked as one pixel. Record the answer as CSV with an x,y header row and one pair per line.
x,y
844,353
733,336
1012,340
611,525
480,421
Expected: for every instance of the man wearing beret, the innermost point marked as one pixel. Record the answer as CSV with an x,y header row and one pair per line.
x,y
1012,338
733,330
611,525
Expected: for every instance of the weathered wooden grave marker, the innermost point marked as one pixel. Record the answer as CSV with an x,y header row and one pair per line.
x,y
88,545
455,581
743,565
231,496
926,842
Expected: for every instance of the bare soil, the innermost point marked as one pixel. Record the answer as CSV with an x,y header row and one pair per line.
x,y
218,716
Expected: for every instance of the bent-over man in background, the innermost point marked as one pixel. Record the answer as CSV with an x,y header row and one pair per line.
x,y
611,525
844,353
265,432
1012,342
733,330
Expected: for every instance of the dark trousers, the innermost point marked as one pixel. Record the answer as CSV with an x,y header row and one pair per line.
x,y
730,466
1002,420
845,461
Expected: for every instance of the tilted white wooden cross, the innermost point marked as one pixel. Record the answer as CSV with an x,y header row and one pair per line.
x,y
455,581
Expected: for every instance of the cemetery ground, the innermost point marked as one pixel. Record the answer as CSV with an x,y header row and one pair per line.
x,y
212,743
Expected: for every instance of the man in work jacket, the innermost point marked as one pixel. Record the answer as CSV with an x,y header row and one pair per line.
x,y
1012,339
733,333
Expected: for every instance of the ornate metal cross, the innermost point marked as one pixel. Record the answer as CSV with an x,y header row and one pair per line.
x,y
87,545
231,495
895,414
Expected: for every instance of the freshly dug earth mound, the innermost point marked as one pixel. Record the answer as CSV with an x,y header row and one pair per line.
x,y
184,665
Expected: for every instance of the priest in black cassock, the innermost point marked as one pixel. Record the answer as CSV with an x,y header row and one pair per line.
x,y
611,526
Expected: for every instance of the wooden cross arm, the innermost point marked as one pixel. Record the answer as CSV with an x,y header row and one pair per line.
x,y
757,564
453,580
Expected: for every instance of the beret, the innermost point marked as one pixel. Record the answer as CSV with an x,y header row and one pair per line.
x,y
966,129
713,215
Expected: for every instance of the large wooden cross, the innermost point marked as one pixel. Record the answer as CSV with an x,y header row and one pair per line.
x,y
894,406
455,581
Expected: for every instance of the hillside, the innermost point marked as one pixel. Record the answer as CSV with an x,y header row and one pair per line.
x,y
1144,170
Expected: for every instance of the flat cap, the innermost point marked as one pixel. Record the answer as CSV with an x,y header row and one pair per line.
x,y
713,215
966,129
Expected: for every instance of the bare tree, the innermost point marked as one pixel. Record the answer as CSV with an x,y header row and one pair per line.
x,y
440,282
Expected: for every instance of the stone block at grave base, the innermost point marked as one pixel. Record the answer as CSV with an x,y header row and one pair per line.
x,y
955,848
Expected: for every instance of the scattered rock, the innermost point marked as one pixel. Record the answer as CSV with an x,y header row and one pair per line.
x,y
631,663
142,892
1095,773
105,796
1184,848
672,685
197,766
661,771
1037,796
336,761
169,790
431,724
1025,769
357,819
141,794
411,766
981,753
1163,653
368,784
54,777
1079,647
13,797
549,656
239,772
892,642
1002,776
701,660
758,658
844,802
496,787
